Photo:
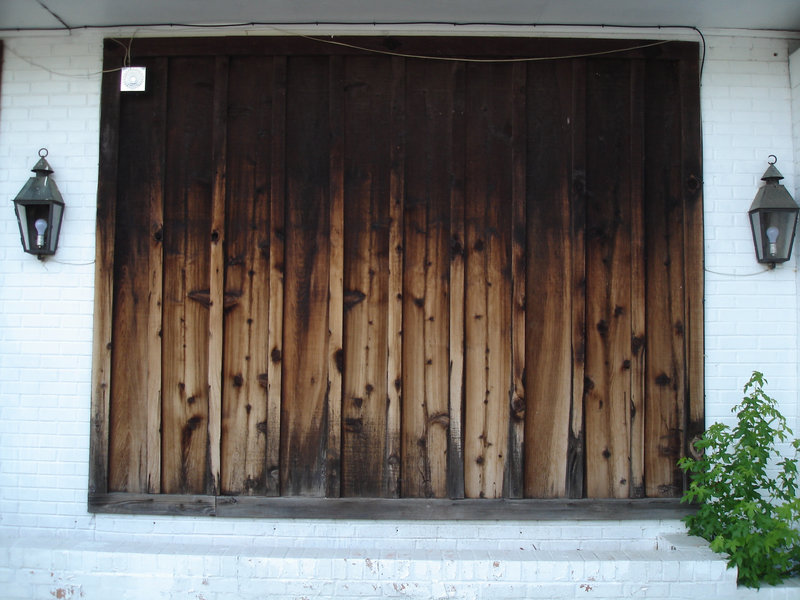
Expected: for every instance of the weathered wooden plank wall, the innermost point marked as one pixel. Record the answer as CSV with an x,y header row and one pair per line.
x,y
277,254
608,269
550,278
305,410
430,168
489,206
638,282
367,168
394,308
666,368
100,450
247,277
133,272
346,274
187,228
514,476
458,252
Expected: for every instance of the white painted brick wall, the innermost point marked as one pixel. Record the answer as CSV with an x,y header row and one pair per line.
x,y
50,97
794,76
751,314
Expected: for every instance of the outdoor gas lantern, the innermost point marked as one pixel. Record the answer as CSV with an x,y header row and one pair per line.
x,y
773,218
40,209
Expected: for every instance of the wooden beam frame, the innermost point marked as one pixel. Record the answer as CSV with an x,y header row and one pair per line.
x,y
515,480
396,509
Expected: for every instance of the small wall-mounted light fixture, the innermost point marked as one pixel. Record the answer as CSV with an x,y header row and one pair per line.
x,y
773,218
40,209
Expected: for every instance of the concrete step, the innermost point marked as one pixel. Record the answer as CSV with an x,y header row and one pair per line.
x,y
677,566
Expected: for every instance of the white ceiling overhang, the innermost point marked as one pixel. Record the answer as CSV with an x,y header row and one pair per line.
x,y
783,15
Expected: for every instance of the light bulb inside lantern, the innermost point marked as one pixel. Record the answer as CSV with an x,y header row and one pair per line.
x,y
772,236
41,228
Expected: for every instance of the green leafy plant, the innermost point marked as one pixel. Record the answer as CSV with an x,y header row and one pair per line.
x,y
747,492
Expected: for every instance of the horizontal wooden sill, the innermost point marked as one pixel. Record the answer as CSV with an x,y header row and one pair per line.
x,y
389,509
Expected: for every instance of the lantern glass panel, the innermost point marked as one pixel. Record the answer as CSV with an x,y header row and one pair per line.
x,y
28,213
773,234
56,214
24,225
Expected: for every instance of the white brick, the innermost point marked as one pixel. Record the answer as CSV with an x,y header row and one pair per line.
x,y
751,109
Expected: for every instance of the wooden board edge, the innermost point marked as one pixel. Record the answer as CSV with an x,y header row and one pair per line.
x,y
425,509
217,274
104,276
694,262
333,457
152,504
389,508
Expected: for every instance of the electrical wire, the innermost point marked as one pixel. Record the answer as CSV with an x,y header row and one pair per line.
x,y
481,60
71,264
55,16
278,25
738,274
33,63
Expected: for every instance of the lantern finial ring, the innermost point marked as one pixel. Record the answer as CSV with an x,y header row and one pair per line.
x,y
43,152
774,159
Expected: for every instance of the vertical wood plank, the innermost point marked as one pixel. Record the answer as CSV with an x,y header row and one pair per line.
x,y
576,461
187,223
607,402
367,167
637,277
277,240
305,412
665,367
335,279
128,418
455,452
156,285
217,272
488,295
394,317
554,170
416,468
425,323
691,176
548,314
135,366
246,302
476,350
514,477
436,303
104,276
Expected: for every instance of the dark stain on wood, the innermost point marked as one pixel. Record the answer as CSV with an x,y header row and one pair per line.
x,y
353,297
602,327
441,419
354,425
338,357
663,379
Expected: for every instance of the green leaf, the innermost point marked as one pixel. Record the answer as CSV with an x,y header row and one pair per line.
x,y
746,512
